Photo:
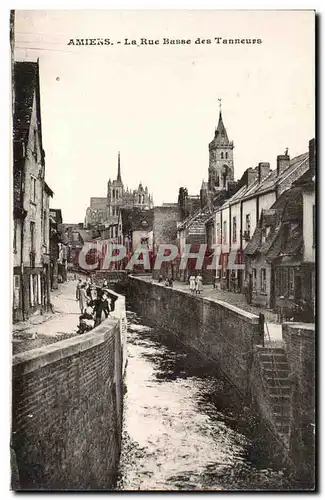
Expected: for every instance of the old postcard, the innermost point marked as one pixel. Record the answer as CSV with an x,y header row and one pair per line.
x,y
163,250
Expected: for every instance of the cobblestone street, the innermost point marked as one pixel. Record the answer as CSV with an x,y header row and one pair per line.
x,y
45,329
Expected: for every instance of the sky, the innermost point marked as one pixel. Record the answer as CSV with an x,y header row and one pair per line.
x,y
158,104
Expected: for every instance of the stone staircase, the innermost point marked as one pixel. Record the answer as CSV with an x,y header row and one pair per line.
x,y
275,374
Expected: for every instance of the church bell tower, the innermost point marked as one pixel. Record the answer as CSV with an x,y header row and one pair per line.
x,y
221,162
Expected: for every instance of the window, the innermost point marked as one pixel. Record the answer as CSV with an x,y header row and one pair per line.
x,y
116,194
314,227
263,280
15,235
222,156
291,287
265,233
225,232
44,227
31,290
226,156
33,189
218,233
113,193
139,198
234,230
248,225
254,279
32,236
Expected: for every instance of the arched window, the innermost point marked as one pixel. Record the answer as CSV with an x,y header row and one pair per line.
x,y
113,193
139,198
226,156
143,198
116,194
222,156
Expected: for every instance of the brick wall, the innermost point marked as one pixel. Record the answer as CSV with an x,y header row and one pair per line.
x,y
66,412
219,331
300,346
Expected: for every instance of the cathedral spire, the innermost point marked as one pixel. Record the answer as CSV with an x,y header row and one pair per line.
x,y
119,168
220,135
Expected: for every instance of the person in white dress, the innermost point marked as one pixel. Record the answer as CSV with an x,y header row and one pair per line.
x,y
198,284
192,284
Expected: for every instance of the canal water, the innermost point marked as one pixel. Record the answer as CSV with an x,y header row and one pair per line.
x,y
185,428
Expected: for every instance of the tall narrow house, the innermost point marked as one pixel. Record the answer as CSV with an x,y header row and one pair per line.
x,y
31,197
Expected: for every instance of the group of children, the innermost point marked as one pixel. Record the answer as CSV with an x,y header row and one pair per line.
x,y
196,284
95,304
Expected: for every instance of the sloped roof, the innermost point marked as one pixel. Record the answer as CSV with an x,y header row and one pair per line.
x,y
25,82
285,222
289,241
273,178
269,218
269,182
220,136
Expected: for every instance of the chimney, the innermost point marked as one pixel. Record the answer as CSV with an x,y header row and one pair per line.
x,y
282,162
263,170
312,155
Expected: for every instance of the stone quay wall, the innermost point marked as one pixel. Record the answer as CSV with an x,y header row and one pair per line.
x,y
67,409
217,330
300,347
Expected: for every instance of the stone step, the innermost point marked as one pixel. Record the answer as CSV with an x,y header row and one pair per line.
x,y
270,372
280,398
275,350
282,428
276,357
282,408
277,381
282,419
282,390
280,365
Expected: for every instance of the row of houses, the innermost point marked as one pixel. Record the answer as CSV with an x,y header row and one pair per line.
x,y
36,237
266,220
267,225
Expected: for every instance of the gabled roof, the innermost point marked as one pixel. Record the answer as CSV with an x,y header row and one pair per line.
x,y
26,83
269,218
285,222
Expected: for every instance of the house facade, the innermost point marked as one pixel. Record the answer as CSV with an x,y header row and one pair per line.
x,y
31,238
236,220
280,258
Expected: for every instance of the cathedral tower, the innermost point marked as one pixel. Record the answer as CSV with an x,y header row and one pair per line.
x,y
221,163
115,192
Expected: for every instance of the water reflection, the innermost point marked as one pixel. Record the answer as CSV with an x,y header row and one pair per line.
x,y
185,427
